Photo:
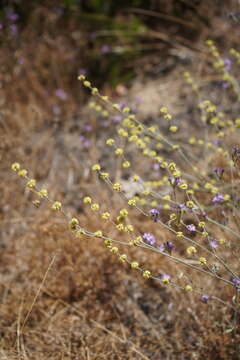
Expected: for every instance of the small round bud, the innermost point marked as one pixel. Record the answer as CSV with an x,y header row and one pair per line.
x,y
31,183
96,167
134,265
22,173
87,200
146,274
56,206
73,223
15,167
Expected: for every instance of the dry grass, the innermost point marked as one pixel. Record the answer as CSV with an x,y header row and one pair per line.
x,y
65,298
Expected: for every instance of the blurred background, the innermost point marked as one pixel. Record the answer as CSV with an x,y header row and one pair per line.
x,y
134,51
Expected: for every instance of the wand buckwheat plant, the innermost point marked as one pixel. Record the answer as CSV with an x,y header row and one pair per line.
x,y
185,207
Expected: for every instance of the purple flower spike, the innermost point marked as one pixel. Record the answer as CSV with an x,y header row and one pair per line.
x,y
154,214
56,110
148,238
161,248
117,119
191,227
175,181
12,16
227,64
165,278
169,246
225,85
236,283
204,299
219,198
87,128
61,94
14,29
213,244
105,49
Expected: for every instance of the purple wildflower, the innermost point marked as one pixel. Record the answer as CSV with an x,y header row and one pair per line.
x,y
165,278
219,198
56,110
154,213
149,238
14,29
161,248
82,72
156,166
12,16
88,128
191,227
87,143
225,85
21,60
227,64
122,105
213,244
174,181
61,94
236,283
105,49
216,142
204,299
178,181
117,119
138,100
181,207
169,246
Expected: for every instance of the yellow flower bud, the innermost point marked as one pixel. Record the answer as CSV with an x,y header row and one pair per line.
x,y
31,183
134,265
81,77
56,206
119,151
43,193
22,173
95,207
132,202
108,243
105,215
94,91
15,166
87,83
173,128
179,234
114,250
73,223
96,167
98,233
123,257
146,274
164,110
104,175
191,250
117,187
87,200
202,261
126,164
